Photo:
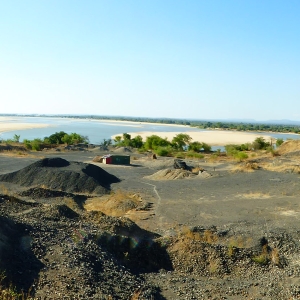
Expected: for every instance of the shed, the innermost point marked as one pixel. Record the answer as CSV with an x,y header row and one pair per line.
x,y
116,159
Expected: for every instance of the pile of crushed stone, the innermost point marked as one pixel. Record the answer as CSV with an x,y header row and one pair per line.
x,y
157,164
60,174
38,193
62,254
169,174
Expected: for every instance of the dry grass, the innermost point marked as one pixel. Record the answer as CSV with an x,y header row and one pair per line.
x,y
252,195
240,242
267,255
16,153
71,203
9,292
207,236
117,204
136,294
247,167
288,147
197,170
4,190
283,168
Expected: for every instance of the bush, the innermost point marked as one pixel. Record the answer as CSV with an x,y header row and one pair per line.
x,y
194,155
260,144
154,141
163,151
240,155
197,147
279,142
36,144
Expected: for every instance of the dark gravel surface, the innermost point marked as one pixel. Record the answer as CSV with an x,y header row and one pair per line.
x,y
232,236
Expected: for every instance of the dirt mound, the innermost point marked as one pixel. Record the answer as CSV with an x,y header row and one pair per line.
x,y
204,174
246,167
123,150
169,174
16,257
59,174
98,158
57,212
116,204
289,147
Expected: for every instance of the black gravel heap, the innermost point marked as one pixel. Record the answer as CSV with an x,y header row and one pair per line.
x,y
60,174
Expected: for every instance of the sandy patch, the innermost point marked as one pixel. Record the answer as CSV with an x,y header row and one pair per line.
x,y
289,213
136,124
213,138
5,126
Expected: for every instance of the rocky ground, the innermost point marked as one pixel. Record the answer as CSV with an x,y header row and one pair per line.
x,y
231,235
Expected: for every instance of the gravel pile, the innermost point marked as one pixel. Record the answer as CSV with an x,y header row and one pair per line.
x,y
60,174
171,174
62,254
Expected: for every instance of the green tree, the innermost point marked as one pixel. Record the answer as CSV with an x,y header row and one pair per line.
x,y
55,138
206,147
195,146
16,138
137,142
181,140
154,141
118,139
260,144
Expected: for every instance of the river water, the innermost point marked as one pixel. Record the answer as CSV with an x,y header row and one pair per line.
x,y
96,131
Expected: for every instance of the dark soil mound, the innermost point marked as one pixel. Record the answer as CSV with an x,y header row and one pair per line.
x,y
59,174
16,257
55,162
59,212
37,193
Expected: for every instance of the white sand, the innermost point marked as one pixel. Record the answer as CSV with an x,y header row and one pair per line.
x,y
134,124
211,137
6,126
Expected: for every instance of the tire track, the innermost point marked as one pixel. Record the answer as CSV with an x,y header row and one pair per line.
x,y
160,223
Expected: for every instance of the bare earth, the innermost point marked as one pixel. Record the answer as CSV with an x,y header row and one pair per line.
x,y
233,205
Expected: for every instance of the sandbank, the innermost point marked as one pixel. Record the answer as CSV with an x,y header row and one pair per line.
x,y
136,124
6,125
211,137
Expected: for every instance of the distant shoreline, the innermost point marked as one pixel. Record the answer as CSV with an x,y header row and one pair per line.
x,y
211,137
7,127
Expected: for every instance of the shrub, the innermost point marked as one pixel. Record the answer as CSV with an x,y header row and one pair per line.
x,y
36,144
260,144
279,142
194,155
195,146
181,140
163,151
240,155
154,141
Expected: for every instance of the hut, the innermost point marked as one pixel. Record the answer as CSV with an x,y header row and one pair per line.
x,y
116,159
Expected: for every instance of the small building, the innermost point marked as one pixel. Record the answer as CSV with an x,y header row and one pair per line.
x,y
116,159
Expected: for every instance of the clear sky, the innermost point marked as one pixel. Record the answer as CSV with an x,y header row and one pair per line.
x,y
200,59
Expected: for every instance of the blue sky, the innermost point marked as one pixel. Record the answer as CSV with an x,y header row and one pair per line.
x,y
212,59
